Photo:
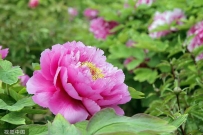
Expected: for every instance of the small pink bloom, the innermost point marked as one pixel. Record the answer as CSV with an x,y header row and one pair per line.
x,y
165,18
3,52
33,3
102,28
197,40
146,2
197,32
130,43
72,11
24,79
91,13
76,81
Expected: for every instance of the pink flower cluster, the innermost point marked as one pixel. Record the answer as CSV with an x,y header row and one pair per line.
x,y
197,40
76,81
164,18
146,2
91,13
33,3
3,52
102,28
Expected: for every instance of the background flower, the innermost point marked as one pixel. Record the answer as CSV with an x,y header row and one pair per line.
x,y
197,40
24,79
33,3
102,28
146,2
91,13
3,52
76,81
164,18
72,11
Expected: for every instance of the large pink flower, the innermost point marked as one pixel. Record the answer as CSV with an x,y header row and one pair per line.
x,y
197,40
146,2
76,81
33,3
102,28
164,18
3,52
91,13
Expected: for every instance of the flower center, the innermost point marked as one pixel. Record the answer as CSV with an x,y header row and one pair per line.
x,y
95,71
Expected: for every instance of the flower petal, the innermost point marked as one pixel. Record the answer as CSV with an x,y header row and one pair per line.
x,y
91,106
71,109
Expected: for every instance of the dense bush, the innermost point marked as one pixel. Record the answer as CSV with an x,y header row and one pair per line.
x,y
156,44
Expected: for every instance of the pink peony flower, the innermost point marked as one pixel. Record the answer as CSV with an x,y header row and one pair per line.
x,y
91,13
101,28
33,3
72,11
76,81
24,79
3,52
146,2
197,40
165,18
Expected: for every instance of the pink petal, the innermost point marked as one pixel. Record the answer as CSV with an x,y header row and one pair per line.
x,y
38,83
45,64
91,106
71,109
118,110
43,98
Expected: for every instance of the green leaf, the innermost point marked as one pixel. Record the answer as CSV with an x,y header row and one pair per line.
x,y
20,104
9,74
179,121
135,94
145,74
60,126
36,66
82,127
15,95
35,129
133,64
16,118
106,122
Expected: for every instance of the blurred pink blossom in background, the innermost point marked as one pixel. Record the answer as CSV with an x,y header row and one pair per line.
x,y
146,2
72,11
24,79
3,52
164,18
102,28
91,13
197,40
33,3
76,81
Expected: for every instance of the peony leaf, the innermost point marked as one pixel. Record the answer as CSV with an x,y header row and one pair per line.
x,y
135,94
60,126
180,120
16,118
35,129
145,74
107,122
9,74
82,126
36,66
20,104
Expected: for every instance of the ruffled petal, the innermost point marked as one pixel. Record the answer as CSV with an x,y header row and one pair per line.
x,y
38,83
71,109
91,106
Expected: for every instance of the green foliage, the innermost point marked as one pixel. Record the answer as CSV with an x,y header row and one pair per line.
x,y
164,79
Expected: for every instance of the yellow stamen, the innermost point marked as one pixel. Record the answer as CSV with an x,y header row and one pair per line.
x,y
96,72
